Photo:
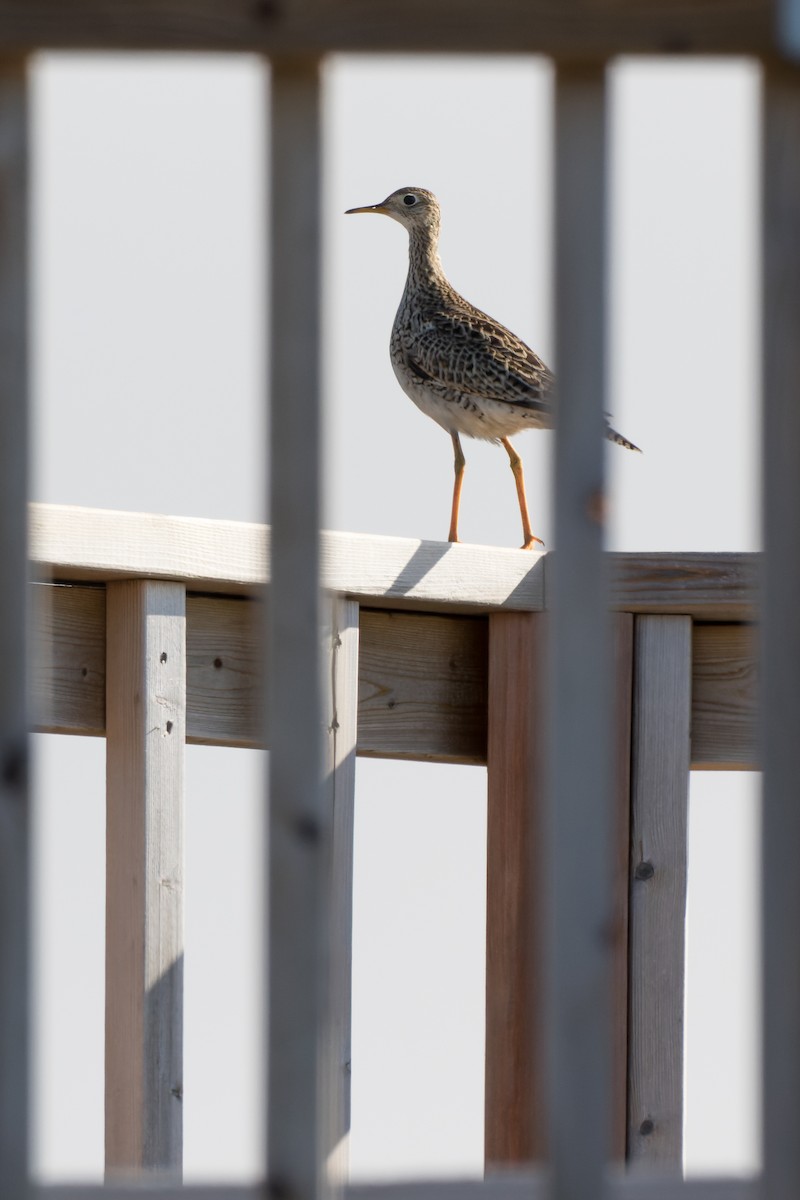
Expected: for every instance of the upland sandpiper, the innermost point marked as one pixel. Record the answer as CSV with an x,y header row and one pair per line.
x,y
459,366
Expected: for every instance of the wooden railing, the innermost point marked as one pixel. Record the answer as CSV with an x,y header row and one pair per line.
x,y
423,667
150,633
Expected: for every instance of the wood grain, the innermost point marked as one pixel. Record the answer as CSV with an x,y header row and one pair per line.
x,y
725,698
622,651
224,646
515,1121
69,660
94,545
230,557
146,728
422,687
309,27
659,816
710,587
341,723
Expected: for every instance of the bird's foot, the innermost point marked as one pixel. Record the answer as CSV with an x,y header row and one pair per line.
x,y
531,543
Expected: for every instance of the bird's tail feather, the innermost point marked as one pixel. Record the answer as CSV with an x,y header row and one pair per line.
x,y
613,436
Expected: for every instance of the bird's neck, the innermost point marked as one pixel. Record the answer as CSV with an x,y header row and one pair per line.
x,y
424,266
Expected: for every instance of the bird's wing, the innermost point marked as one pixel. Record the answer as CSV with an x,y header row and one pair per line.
x,y
467,350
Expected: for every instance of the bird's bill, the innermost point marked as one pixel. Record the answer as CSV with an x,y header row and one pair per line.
x,y
369,208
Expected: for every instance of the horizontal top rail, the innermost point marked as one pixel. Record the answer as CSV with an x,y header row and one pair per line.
x,y
80,545
317,26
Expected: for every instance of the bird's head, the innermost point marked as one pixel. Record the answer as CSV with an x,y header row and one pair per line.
x,y
415,208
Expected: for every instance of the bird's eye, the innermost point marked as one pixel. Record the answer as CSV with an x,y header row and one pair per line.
x,y
409,200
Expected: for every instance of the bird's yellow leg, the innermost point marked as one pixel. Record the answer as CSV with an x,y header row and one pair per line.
x,y
459,462
528,540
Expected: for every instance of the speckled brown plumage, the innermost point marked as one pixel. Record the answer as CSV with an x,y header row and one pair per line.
x,y
462,368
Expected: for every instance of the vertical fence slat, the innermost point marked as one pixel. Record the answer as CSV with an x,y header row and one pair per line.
x,y
341,690
781,633
514,1123
298,830
580,815
145,750
14,750
662,706
622,647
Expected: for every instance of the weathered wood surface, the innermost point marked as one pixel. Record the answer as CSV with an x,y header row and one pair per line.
x,y
69,667
515,1124
515,1115
422,680
15,883
341,717
781,634
225,697
403,573
725,698
622,652
84,544
659,819
317,26
710,587
94,545
146,729
422,687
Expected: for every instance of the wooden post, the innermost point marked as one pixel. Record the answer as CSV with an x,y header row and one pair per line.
x,y
298,827
781,634
516,1125
14,716
145,738
622,649
580,818
341,693
662,701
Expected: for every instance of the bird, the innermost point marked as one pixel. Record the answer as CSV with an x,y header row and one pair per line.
x,y
462,368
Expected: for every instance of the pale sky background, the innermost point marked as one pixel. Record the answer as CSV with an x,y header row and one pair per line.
x,y
149,368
